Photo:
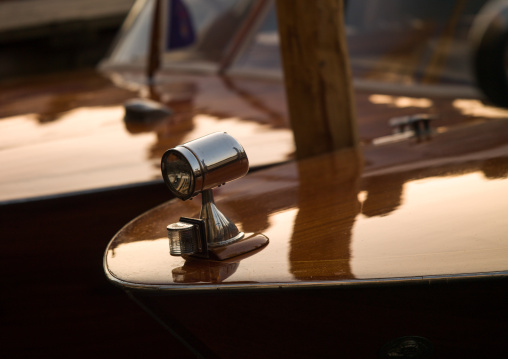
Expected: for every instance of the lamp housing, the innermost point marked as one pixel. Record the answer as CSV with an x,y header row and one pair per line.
x,y
203,164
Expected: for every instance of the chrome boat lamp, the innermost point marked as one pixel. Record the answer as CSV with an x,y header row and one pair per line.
x,y
197,167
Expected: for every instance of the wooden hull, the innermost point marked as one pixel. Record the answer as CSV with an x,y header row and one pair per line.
x,y
461,319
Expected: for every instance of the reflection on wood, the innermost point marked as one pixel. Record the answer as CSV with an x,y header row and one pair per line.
x,y
322,230
328,221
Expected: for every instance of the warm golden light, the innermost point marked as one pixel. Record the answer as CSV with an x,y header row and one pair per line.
x,y
400,101
476,108
85,148
430,233
442,225
90,147
150,262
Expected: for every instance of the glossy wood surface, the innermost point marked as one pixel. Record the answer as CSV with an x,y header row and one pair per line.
x,y
341,218
65,133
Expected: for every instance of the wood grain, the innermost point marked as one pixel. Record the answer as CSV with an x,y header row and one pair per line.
x,y
330,219
317,75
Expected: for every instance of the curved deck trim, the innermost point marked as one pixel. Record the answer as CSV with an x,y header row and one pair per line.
x,y
303,285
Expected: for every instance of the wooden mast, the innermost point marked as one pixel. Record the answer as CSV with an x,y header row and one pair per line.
x,y
317,75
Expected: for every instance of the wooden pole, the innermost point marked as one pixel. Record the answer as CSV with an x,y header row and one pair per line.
x,y
317,75
153,61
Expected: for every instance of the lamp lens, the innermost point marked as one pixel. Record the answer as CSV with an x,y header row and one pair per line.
x,y
178,174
